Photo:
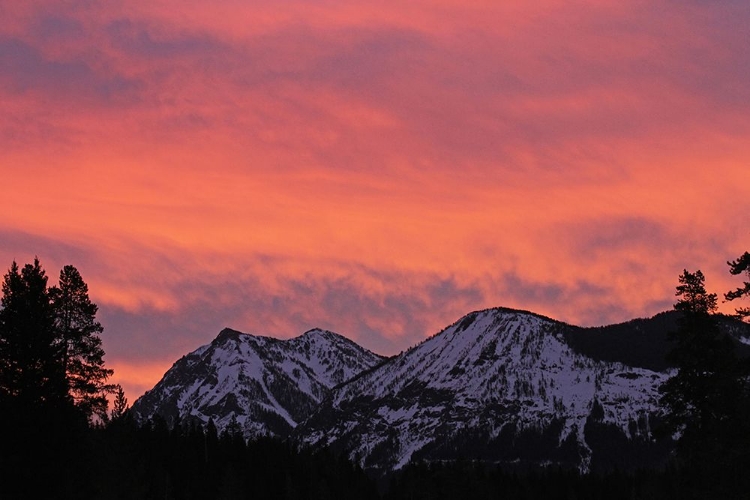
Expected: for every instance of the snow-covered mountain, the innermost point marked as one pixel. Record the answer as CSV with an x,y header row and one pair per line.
x,y
265,385
499,385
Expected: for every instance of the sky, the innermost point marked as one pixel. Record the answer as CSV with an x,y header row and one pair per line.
x,y
378,169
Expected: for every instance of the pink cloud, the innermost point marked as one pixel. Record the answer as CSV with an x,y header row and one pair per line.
x,y
375,170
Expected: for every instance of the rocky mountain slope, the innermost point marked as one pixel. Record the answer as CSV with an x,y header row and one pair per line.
x,y
261,384
499,385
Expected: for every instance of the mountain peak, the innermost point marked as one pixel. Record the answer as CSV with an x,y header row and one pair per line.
x,y
268,385
501,311
227,333
485,322
317,332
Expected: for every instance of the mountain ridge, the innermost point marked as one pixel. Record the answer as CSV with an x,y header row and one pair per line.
x,y
278,381
499,384
492,369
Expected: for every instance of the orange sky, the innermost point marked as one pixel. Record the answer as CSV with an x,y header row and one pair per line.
x,y
375,169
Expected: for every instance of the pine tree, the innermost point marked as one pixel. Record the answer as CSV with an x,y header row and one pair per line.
x,y
120,404
80,344
30,372
40,429
701,399
740,266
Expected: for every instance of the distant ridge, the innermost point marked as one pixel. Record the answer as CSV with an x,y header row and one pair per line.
x,y
643,342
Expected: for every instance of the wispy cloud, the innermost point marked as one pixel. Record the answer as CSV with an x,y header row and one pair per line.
x,y
374,170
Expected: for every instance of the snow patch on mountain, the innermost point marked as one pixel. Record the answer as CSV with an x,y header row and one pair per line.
x,y
264,385
499,385
490,369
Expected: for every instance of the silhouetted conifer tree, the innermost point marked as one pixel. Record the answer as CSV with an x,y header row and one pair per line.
x,y
30,371
79,343
740,266
120,404
703,398
43,434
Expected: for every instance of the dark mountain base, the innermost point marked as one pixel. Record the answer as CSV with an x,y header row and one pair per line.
x,y
154,462
124,461
474,481
608,449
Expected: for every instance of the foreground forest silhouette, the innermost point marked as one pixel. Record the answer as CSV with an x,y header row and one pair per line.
x,y
59,439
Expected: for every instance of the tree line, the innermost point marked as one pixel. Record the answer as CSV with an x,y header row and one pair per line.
x,y
190,461
60,439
